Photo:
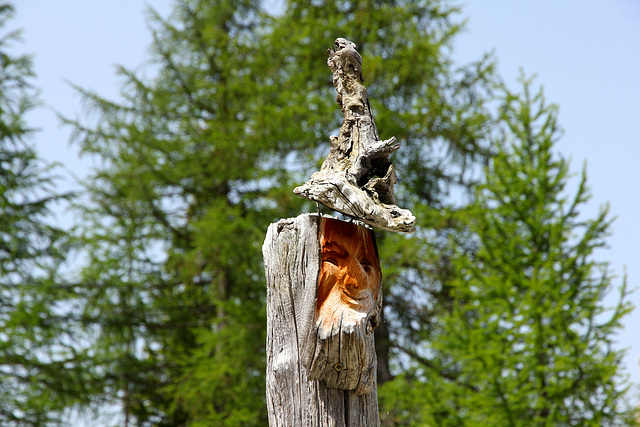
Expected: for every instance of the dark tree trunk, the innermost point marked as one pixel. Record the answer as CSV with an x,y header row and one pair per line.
x,y
382,351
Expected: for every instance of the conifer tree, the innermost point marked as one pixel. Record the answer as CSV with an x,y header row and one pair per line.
x,y
199,159
527,337
36,384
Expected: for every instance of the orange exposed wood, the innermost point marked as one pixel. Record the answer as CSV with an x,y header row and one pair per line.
x,y
316,378
349,280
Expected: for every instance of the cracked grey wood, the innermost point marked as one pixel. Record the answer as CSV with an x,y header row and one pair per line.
x,y
292,259
357,177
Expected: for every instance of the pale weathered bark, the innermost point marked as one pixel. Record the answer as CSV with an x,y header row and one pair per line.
x,y
321,365
357,178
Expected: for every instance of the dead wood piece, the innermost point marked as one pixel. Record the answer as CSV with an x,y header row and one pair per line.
x,y
357,177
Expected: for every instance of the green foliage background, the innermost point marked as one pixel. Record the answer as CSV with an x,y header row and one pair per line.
x,y
493,308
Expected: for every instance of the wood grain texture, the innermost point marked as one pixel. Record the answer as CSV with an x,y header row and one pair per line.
x,y
357,177
292,256
348,307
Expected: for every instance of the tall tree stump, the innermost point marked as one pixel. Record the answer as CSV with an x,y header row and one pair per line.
x,y
323,302
324,296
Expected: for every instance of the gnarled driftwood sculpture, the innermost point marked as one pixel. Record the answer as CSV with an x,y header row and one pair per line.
x,y
357,178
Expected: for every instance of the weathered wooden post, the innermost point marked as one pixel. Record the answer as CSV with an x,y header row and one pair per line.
x,y
324,294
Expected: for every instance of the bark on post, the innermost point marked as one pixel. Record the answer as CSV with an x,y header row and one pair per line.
x,y
323,301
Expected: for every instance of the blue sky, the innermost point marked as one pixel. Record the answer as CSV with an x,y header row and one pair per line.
x,y
585,53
